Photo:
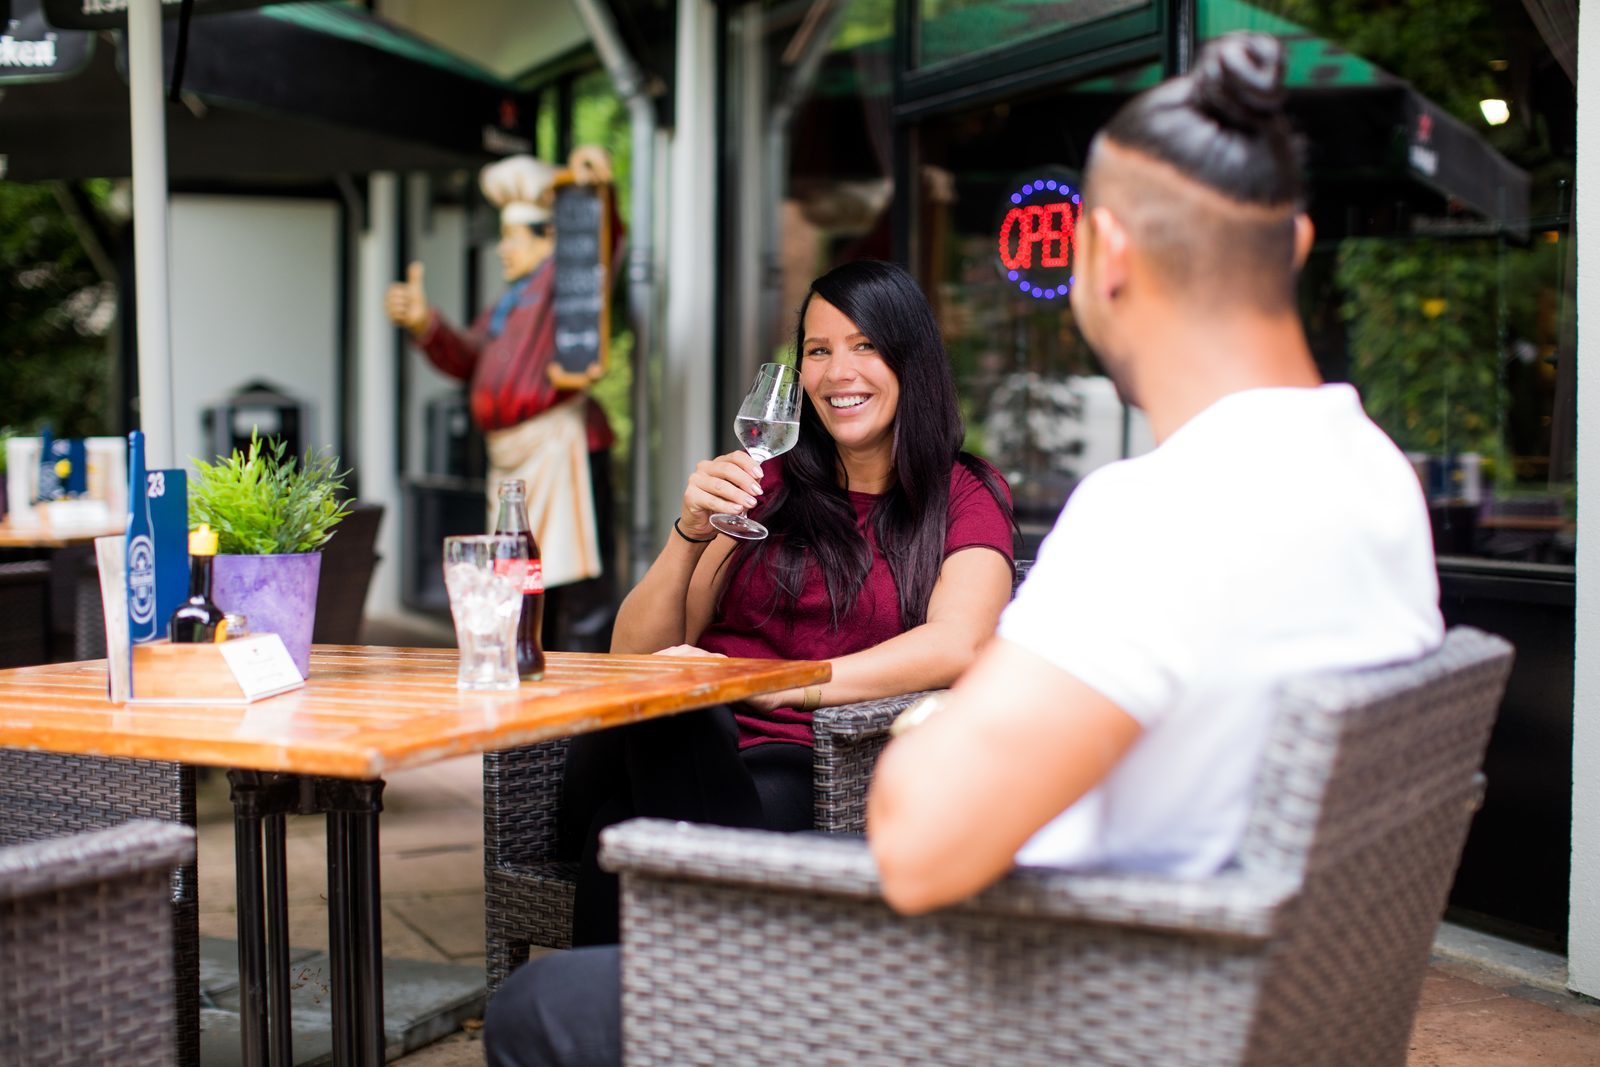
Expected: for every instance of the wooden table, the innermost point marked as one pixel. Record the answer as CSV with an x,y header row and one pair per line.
x,y
324,749
44,535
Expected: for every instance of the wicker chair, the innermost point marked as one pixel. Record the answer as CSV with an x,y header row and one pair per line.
x,y
750,947
86,948
45,796
348,560
24,614
528,892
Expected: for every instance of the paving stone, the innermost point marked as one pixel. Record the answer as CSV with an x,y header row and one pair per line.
x,y
422,1002
219,963
451,922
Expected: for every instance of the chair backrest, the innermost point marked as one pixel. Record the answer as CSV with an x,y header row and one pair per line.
x,y
1365,792
24,614
347,563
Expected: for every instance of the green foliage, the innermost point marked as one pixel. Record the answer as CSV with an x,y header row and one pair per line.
x,y
1424,342
1443,49
55,314
263,504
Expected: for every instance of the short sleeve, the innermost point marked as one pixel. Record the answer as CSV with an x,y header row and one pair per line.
x,y
1093,603
976,518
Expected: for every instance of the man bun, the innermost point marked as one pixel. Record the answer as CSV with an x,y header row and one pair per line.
x,y
1238,81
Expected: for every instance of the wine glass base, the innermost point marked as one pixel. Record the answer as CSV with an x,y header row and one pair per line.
x,y
738,526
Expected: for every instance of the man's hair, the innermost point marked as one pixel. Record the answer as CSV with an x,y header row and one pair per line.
x,y
1218,130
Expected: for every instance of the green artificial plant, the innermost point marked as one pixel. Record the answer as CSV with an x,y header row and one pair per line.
x,y
265,505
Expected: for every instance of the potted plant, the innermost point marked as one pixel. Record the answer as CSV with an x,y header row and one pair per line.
x,y
272,516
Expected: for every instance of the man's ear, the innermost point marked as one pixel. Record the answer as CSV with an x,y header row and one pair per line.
x,y
1110,251
1304,234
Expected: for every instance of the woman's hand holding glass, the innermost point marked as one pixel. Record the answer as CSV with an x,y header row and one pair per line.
x,y
727,485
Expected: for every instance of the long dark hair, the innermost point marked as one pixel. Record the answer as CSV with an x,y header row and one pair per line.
x,y
812,520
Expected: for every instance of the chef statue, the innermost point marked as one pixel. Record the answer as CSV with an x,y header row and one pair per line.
x,y
556,440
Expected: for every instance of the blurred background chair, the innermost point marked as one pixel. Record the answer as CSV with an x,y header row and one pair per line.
x,y
1310,950
86,949
45,796
24,614
528,890
348,560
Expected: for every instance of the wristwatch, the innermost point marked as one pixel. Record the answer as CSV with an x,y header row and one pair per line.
x,y
916,714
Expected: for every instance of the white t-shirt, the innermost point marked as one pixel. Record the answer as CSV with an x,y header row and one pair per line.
x,y
1278,532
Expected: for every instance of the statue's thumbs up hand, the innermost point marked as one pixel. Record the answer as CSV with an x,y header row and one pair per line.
x,y
406,303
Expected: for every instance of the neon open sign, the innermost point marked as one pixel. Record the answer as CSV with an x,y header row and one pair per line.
x,y
1037,238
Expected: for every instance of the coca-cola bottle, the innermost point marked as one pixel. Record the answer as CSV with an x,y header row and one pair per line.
x,y
513,519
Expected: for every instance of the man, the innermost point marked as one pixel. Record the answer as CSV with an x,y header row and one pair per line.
x,y
1274,531
557,441
1117,720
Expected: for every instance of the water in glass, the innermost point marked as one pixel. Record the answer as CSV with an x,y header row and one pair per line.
x,y
484,576
767,425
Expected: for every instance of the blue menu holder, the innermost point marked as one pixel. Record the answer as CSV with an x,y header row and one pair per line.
x,y
157,544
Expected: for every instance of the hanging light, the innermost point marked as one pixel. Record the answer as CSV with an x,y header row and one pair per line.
x,y
1495,112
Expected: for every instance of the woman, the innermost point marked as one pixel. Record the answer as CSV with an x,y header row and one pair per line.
x,y
874,516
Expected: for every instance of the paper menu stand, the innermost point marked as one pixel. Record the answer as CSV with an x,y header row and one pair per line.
x,y
111,555
239,671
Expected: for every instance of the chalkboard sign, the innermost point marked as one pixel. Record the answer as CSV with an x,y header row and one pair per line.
x,y
582,284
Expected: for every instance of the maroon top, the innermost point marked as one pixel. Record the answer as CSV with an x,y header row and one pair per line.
x,y
742,626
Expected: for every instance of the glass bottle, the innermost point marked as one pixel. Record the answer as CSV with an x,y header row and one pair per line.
x,y
513,519
198,620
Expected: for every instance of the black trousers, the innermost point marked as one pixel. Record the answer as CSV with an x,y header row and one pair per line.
x,y
686,767
561,1010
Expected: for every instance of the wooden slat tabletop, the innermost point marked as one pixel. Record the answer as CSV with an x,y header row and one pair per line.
x,y
366,711
47,536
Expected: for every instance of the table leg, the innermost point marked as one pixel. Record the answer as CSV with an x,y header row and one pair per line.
x,y
254,1049
278,944
366,920
344,1032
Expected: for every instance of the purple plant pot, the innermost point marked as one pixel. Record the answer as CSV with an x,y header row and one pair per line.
x,y
276,594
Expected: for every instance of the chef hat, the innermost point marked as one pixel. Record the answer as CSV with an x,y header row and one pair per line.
x,y
519,187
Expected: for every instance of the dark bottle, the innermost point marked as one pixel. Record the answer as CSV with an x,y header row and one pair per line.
x,y
197,620
513,519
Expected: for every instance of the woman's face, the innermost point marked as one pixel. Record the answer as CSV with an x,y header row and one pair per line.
x,y
852,388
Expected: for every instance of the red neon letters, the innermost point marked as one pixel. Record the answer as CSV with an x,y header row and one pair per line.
x,y
1050,226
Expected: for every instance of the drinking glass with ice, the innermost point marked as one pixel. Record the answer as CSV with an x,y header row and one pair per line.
x,y
484,576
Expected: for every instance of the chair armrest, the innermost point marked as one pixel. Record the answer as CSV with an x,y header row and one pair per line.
x,y
1232,905
869,718
847,739
62,862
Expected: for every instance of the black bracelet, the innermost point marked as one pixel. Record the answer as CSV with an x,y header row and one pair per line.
x,y
691,540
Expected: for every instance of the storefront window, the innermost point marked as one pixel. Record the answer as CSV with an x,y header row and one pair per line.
x,y
808,162
992,243
1440,148
954,29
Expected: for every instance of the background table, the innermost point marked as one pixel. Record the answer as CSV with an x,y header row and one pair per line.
x,y
44,535
324,749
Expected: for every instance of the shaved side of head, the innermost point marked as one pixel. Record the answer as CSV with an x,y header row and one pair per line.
x,y
1206,248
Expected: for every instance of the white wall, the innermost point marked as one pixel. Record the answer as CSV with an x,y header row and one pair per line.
x,y
437,242
1583,950
254,295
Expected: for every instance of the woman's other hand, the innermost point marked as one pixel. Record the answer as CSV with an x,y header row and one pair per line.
x,y
729,484
690,651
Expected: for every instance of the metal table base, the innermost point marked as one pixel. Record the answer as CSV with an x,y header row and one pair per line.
x,y
261,800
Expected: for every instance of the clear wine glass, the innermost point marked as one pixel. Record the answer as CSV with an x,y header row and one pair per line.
x,y
768,424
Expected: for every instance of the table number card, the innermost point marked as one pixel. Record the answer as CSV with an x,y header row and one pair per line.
x,y
239,671
261,665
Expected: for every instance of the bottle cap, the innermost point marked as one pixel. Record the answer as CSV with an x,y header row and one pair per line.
x,y
202,541
513,487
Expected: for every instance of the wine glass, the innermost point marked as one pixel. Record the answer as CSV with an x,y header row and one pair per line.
x,y
768,424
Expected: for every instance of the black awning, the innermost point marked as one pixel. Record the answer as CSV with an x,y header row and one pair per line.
x,y
295,90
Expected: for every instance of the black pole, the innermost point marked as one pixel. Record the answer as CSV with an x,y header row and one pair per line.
x,y
1181,37
282,1033
254,1049
340,972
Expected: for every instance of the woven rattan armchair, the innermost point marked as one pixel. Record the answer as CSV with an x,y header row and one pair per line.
x,y
528,891
45,796
756,948
86,948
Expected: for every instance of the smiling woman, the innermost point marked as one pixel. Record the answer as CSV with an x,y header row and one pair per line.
x,y
871,514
